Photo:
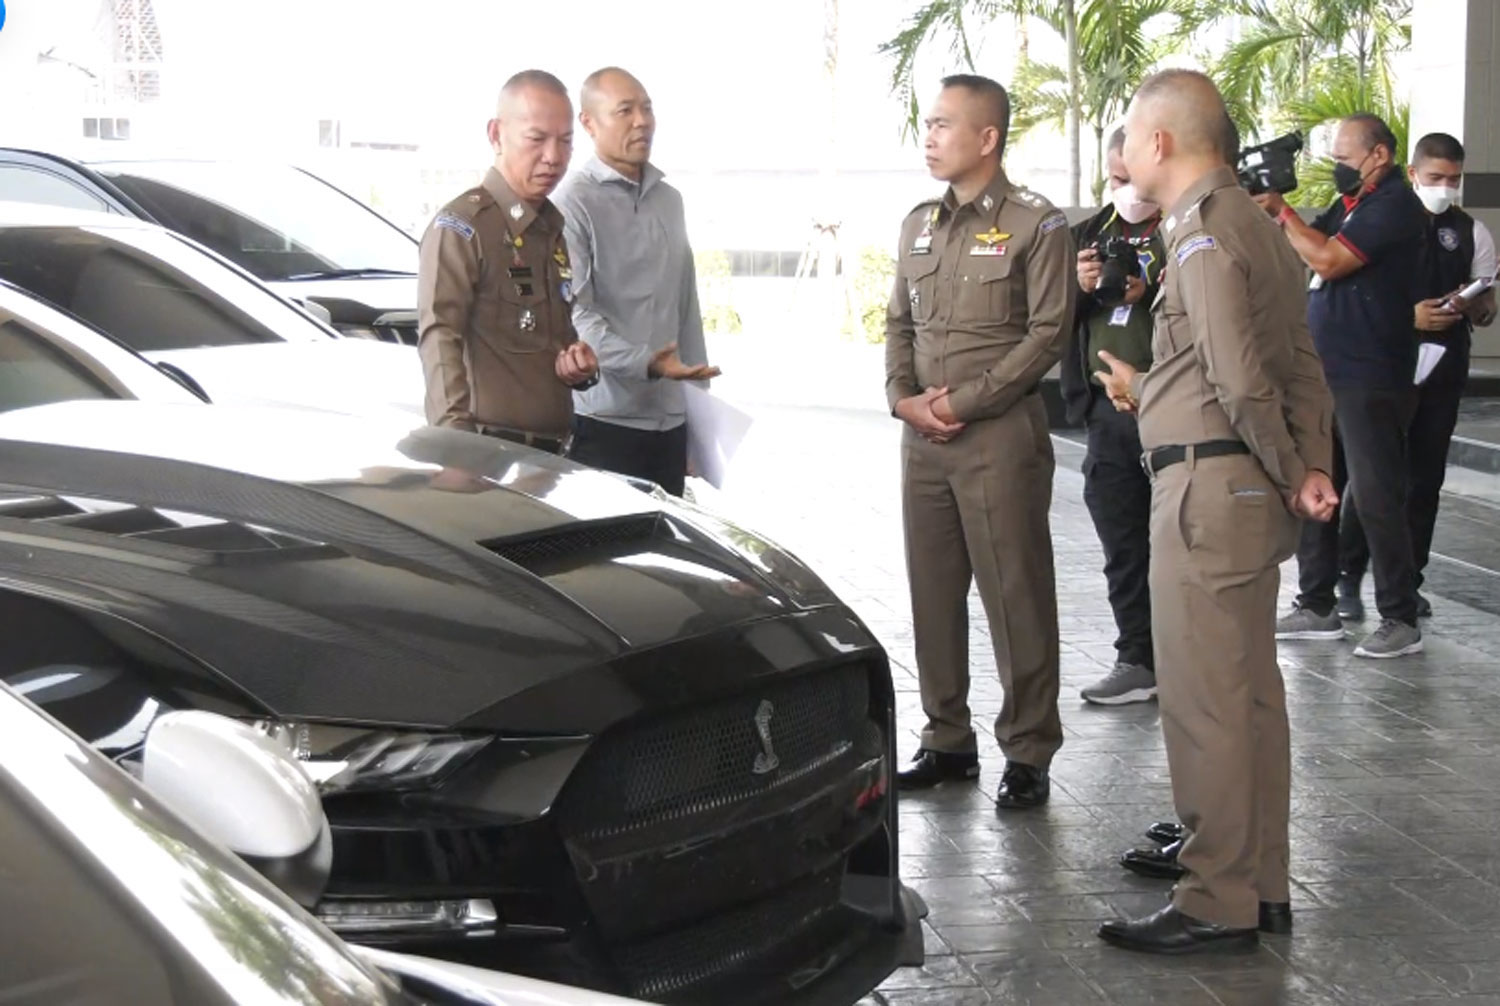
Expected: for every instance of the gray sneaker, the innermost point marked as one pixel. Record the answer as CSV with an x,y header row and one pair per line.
x,y
1304,623
1392,639
1125,683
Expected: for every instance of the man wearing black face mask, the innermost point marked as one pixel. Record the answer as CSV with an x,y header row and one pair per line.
x,y
1364,253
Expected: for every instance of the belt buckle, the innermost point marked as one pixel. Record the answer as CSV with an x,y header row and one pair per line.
x,y
1146,464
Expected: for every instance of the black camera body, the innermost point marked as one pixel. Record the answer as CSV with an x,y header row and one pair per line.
x,y
1118,262
1271,166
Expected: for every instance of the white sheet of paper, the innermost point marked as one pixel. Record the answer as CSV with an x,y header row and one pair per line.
x,y
1428,355
715,431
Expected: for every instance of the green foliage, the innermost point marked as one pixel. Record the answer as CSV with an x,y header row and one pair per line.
x,y
872,291
715,293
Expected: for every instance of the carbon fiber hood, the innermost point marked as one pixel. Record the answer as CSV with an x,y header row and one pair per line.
x,y
357,568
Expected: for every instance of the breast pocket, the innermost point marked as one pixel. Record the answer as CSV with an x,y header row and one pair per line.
x,y
989,289
920,273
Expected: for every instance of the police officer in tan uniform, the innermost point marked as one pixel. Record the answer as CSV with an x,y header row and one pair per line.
x,y
982,308
494,292
1236,425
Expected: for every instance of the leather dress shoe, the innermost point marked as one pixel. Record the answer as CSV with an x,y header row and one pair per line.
x,y
1022,786
1169,931
930,768
1275,917
1166,832
1159,863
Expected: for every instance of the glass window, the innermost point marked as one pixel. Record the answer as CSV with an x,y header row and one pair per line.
x,y
34,372
279,223
148,289
22,184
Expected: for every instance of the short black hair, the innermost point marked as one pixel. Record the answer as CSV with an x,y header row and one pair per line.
x,y
1229,140
1439,147
1376,132
1116,141
994,97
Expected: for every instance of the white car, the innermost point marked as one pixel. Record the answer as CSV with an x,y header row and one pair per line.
x,y
120,890
199,316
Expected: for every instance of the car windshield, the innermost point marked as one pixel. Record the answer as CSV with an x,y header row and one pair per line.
x,y
278,222
149,288
47,357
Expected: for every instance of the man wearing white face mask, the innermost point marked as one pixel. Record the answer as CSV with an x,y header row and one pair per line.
x,y
1117,318
1456,249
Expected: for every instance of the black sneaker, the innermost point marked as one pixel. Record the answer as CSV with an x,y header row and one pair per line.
x,y
1350,606
1424,607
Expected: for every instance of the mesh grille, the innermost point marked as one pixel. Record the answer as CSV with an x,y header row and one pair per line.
x,y
143,523
572,541
713,756
661,966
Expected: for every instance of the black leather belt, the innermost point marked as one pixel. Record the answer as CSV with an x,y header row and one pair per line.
x,y
552,445
1162,457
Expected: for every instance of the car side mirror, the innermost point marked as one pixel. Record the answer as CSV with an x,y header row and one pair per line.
x,y
244,791
315,309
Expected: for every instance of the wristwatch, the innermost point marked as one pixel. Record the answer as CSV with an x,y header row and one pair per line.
x,y
586,385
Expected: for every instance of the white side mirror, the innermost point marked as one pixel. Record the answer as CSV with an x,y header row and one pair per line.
x,y
315,309
244,791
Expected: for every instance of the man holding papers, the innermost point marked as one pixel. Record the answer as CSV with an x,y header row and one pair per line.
x,y
1457,254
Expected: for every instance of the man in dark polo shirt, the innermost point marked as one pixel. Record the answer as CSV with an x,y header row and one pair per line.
x,y
1364,252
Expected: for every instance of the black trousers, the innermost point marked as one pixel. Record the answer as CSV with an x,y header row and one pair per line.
x,y
1370,459
1428,437
1118,495
658,455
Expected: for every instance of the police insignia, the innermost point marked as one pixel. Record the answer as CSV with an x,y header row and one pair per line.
x,y
1053,221
1448,238
457,225
566,289
1192,246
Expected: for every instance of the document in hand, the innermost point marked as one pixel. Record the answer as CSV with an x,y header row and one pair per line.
x,y
715,430
1428,355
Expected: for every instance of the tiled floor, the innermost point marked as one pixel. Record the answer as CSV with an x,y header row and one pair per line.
x,y
1396,775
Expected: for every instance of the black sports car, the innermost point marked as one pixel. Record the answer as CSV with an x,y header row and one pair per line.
x,y
563,727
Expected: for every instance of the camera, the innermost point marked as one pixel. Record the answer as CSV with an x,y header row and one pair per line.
x,y
1118,262
1271,166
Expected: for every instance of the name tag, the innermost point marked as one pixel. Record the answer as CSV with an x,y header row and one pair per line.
x,y
1316,283
1121,315
987,250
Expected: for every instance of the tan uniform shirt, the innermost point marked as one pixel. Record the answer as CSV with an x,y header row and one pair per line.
x,y
983,301
1233,357
494,307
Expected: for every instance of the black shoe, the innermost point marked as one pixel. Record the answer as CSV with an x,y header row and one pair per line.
x,y
930,768
1022,786
1275,917
1169,931
1166,832
1160,863
1349,606
1424,607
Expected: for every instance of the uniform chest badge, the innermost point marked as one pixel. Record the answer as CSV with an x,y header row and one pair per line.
x,y
914,297
987,203
991,242
565,289
1448,238
560,257
528,320
517,211
922,245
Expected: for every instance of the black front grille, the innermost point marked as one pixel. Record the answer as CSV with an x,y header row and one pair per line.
x,y
679,960
711,757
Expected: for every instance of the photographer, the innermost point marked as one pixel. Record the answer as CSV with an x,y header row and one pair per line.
x,y
1364,253
1119,272
1456,248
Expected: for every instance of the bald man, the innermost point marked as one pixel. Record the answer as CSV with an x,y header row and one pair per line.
x,y
981,309
494,287
1235,422
636,291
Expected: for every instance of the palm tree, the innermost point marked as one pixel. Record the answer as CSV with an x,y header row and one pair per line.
x,y
1110,46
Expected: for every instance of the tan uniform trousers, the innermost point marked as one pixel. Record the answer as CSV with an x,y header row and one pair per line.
x,y
975,509
1219,532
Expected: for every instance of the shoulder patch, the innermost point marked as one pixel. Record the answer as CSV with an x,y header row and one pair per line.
x,y
1052,221
1190,247
457,225
924,207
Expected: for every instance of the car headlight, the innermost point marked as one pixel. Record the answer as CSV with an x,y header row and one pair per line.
x,y
348,759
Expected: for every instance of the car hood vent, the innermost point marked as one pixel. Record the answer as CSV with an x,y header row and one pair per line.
x,y
550,551
127,520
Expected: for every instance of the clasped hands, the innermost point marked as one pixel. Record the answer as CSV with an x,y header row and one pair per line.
x,y
931,415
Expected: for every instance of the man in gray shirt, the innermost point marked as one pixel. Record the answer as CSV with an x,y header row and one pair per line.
x,y
635,290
